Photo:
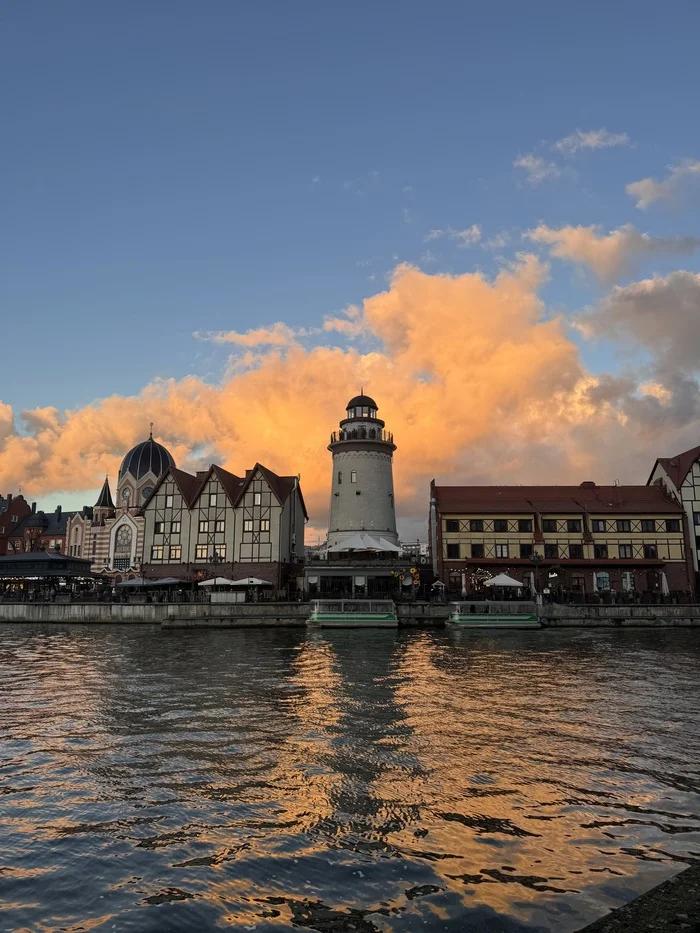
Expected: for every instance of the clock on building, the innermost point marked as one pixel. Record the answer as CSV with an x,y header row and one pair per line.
x,y
146,492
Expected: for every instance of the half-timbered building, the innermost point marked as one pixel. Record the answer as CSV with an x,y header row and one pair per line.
x,y
214,522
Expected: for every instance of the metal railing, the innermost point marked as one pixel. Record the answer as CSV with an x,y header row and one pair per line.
x,y
362,434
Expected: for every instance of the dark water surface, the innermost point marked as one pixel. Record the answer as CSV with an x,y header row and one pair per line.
x,y
273,780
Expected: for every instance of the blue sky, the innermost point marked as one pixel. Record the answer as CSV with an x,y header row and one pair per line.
x,y
176,167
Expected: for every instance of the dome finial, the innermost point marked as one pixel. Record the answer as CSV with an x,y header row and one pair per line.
x,y
150,436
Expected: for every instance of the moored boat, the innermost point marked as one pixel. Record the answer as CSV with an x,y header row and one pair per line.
x,y
493,615
353,613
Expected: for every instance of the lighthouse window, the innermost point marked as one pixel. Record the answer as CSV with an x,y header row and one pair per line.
x,y
340,477
353,476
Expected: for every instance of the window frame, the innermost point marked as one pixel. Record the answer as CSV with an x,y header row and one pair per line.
x,y
573,526
502,547
452,551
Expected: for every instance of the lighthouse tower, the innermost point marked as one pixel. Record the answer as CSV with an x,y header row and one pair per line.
x,y
362,490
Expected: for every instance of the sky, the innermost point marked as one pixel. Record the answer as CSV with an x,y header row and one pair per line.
x,y
225,217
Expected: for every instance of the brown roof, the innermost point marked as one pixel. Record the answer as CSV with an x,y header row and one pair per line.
x,y
281,486
640,500
679,466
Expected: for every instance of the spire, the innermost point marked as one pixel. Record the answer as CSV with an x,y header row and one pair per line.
x,y
150,436
104,500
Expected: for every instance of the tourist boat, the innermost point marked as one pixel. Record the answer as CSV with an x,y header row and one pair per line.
x,y
353,613
493,615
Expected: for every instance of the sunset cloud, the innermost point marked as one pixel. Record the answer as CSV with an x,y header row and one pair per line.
x,y
608,255
278,335
475,379
467,237
648,190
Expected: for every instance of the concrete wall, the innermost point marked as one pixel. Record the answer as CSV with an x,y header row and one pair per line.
x,y
86,613
556,616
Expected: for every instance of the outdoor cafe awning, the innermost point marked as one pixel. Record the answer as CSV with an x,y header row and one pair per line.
x,y
147,584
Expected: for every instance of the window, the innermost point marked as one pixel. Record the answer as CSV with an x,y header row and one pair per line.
x,y
175,528
476,524
551,551
453,552
501,550
573,525
599,524
650,552
600,551
673,524
220,551
169,501
549,525
203,526
157,552
575,551
264,524
451,524
696,518
524,524
257,498
201,552
623,524
248,524
175,552
625,550
94,545
526,550
627,580
158,528
340,477
578,583
602,579
14,518
212,500
220,525
648,524
500,525
454,581
477,550
353,476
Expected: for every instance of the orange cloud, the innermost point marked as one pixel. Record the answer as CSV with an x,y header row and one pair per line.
x,y
470,374
278,335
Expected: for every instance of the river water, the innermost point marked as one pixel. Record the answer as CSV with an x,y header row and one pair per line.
x,y
359,781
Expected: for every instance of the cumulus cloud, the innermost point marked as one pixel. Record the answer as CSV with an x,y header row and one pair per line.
x,y
475,379
608,255
465,238
590,139
648,190
537,169
660,314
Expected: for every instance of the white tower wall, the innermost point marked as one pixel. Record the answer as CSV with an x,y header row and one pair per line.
x,y
362,487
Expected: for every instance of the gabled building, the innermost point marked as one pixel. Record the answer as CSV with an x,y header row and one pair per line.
x,y
12,510
40,531
214,522
581,539
680,477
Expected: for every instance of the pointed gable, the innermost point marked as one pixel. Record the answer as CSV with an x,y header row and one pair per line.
x,y
678,467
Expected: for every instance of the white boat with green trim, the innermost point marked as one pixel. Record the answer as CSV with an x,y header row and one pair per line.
x,y
494,615
353,613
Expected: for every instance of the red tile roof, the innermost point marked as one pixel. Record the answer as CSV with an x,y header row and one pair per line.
x,y
639,500
679,466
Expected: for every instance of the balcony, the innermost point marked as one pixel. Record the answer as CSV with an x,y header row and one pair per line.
x,y
362,434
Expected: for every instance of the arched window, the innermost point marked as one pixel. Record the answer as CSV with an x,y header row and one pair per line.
x,y
340,477
602,579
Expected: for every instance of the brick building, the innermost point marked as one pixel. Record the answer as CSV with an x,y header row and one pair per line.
x,y
40,531
13,509
575,539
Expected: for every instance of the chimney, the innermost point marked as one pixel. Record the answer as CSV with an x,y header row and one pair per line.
x,y
33,508
58,512
9,499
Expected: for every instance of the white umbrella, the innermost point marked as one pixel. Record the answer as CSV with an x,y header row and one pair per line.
x,y
502,579
217,581
359,542
249,581
595,582
464,585
532,582
664,585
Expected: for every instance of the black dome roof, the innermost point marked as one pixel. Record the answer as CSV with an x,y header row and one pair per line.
x,y
361,401
146,457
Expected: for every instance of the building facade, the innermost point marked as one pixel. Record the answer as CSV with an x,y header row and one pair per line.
x,y
109,534
680,477
13,509
575,539
40,531
217,523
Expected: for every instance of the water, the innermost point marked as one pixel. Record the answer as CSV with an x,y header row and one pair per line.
x,y
361,781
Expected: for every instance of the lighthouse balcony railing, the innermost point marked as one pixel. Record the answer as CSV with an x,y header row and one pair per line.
x,y
362,434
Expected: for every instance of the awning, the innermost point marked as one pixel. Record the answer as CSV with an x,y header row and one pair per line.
x,y
217,581
363,542
502,579
250,581
147,584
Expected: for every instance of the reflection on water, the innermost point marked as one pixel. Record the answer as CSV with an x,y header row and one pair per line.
x,y
360,781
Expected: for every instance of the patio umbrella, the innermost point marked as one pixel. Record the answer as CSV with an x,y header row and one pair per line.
x,y
216,581
664,585
249,581
502,579
595,582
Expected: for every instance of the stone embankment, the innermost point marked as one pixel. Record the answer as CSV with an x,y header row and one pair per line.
x,y
233,615
670,907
